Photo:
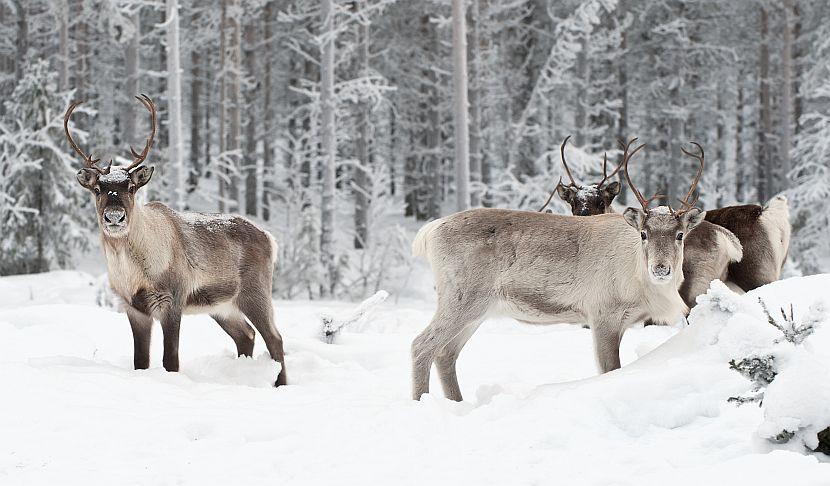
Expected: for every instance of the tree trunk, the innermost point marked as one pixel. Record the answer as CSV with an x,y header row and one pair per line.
x,y
249,158
22,43
622,127
462,127
798,106
739,143
234,101
63,35
786,99
362,181
221,171
476,158
328,144
174,102
195,112
131,86
267,118
764,182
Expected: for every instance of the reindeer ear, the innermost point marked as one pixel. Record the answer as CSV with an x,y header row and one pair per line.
x,y
634,217
693,217
612,189
141,176
564,192
87,177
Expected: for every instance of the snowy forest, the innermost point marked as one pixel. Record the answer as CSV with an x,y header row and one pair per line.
x,y
341,125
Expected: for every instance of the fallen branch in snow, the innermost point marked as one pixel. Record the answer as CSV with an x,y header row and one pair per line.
x,y
332,325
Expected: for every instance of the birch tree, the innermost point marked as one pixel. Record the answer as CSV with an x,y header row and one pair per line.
x,y
459,79
328,146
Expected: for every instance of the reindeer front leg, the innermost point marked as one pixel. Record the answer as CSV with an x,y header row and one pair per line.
x,y
142,327
607,331
170,323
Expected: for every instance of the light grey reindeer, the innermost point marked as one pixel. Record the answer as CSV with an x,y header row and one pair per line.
x,y
163,263
709,251
610,271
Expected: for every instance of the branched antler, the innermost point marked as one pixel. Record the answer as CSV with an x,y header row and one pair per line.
x,y
686,204
626,157
89,162
138,158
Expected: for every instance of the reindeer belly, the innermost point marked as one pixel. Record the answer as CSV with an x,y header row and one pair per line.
x,y
215,298
532,307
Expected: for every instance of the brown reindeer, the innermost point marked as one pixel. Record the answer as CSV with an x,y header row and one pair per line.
x,y
763,231
163,263
610,271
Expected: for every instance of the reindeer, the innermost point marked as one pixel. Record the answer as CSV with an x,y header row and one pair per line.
x,y
763,231
163,263
709,251
610,271
587,200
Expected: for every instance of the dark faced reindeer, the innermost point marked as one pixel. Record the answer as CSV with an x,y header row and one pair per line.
x,y
763,231
610,271
588,199
164,264
709,251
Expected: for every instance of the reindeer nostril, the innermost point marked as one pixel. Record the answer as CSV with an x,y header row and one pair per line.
x,y
661,270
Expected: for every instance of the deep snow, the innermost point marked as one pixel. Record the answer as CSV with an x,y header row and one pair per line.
x,y
74,412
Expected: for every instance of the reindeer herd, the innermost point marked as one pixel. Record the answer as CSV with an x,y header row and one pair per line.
x,y
599,267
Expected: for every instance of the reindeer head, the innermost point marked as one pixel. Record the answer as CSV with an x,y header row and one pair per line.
x,y
591,199
662,229
114,188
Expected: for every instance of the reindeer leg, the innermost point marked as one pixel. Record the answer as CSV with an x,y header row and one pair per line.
x,y
142,327
443,339
447,358
261,314
607,335
170,324
240,331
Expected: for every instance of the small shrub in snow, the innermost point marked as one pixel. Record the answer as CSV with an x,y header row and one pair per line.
x,y
790,383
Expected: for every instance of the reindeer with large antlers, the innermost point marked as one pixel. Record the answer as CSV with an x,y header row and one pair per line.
x,y
163,263
610,271
763,231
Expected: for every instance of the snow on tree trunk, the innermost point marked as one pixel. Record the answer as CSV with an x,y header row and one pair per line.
x,y
328,146
174,100
461,123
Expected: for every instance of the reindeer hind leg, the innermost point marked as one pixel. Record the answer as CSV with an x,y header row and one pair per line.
x,y
240,331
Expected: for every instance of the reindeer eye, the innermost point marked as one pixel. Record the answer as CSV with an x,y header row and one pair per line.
x,y
680,236
643,235
97,190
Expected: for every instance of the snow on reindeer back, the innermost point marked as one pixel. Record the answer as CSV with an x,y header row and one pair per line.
x,y
210,221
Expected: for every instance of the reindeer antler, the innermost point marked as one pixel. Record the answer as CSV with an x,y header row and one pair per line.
x,y
89,162
685,201
605,173
562,151
626,157
140,157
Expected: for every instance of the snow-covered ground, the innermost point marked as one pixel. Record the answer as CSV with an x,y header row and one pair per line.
x,y
72,410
